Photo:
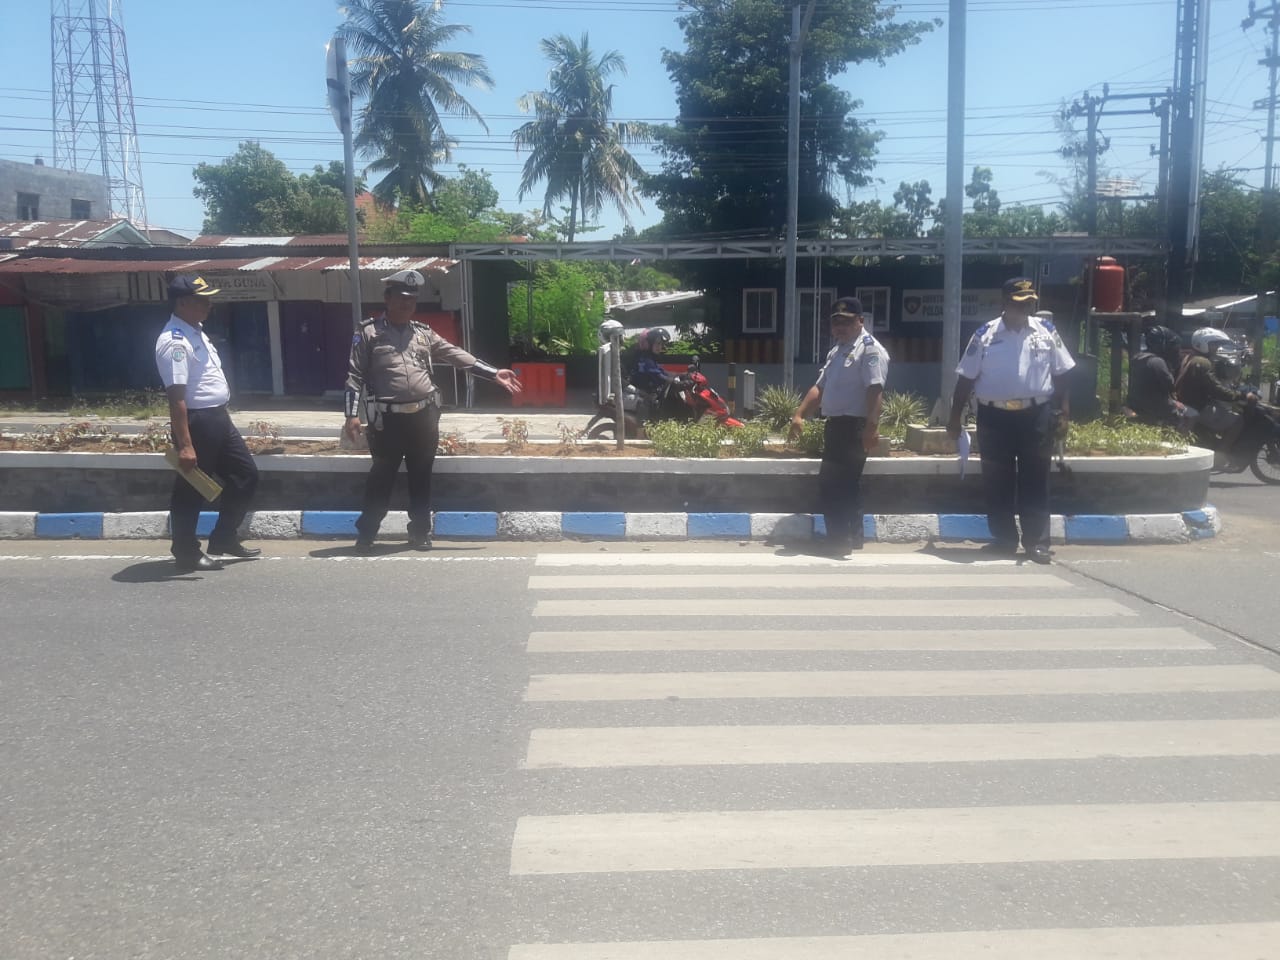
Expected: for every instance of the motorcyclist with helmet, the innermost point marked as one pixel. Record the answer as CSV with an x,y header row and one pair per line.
x,y
1199,387
645,372
1151,379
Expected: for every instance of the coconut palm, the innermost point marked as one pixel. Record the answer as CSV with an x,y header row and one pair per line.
x,y
572,143
406,82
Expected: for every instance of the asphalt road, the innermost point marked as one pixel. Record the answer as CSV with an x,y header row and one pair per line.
x,y
686,752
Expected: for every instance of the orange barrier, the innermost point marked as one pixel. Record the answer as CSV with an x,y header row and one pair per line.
x,y
543,385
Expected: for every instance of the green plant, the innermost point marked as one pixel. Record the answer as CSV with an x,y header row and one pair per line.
x,y
156,437
748,439
810,441
1117,437
137,404
776,406
264,428
515,432
570,437
899,411
64,435
671,438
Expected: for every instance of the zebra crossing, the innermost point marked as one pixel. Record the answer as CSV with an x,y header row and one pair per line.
x,y
995,762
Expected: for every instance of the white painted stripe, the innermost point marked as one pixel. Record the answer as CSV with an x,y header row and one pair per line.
x,y
778,839
889,743
1226,941
938,604
901,683
753,559
862,582
614,641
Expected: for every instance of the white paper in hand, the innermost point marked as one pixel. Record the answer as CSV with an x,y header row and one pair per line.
x,y
962,448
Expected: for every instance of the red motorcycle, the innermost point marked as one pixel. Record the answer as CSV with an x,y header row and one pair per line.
x,y
685,398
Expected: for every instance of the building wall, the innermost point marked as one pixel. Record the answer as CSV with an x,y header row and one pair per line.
x,y
55,189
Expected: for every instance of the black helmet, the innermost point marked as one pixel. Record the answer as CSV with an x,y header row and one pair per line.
x,y
654,336
1162,341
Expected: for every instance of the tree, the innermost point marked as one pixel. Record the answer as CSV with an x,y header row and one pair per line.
x,y
573,145
568,308
254,194
724,163
406,81
979,190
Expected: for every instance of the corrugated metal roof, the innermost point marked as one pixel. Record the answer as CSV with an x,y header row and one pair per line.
x,y
624,300
76,265
54,233
303,240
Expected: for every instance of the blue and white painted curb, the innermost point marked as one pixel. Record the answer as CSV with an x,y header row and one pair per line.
x,y
486,525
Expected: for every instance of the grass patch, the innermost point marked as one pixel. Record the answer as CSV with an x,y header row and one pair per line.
x,y
1117,437
131,404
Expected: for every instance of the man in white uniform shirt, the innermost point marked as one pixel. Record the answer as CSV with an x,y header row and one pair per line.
x,y
849,391
1016,366
203,433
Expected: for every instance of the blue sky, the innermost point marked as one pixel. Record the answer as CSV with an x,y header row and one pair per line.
x,y
206,76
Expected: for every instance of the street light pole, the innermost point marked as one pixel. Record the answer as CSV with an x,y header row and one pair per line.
x,y
339,85
953,243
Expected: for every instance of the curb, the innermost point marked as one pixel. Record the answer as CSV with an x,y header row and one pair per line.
x,y
1185,527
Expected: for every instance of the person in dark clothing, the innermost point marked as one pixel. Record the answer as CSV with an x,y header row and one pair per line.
x,y
645,370
1151,379
1199,388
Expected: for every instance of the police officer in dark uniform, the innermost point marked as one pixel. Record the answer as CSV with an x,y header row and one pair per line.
x,y
1016,367
391,361
203,433
850,392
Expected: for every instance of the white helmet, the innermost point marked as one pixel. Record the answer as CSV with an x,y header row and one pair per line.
x,y
608,329
1203,340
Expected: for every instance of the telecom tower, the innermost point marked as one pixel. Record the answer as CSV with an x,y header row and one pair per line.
x,y
93,121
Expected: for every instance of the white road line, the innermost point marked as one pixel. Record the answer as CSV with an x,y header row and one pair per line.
x,y
1226,941
777,839
861,581
938,604
615,641
727,560
901,683
908,743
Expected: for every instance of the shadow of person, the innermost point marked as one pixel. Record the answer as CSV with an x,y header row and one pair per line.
x,y
153,571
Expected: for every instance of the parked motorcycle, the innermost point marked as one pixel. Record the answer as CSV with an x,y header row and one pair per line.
x,y
1257,448
685,398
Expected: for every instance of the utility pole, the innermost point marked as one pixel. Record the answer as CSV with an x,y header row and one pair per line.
x,y
799,26
1268,208
1182,153
953,242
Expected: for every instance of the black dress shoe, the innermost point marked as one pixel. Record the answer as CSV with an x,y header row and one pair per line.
x,y
420,543
236,550
1039,554
364,546
196,564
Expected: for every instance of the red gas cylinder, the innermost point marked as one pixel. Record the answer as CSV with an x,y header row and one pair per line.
x,y
1108,286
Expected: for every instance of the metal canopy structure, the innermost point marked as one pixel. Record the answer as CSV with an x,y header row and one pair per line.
x,y
777,249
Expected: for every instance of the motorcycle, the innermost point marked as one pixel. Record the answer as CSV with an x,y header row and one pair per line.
x,y
685,398
1257,448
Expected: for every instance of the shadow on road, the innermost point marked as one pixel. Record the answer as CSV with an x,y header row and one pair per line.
x,y
152,571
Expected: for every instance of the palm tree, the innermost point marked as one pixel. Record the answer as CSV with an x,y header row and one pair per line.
x,y
407,81
572,144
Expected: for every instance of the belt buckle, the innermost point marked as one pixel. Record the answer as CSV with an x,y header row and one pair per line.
x,y
1013,404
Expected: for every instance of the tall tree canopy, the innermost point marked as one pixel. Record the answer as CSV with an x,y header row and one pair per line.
x,y
253,193
406,81
724,167
573,145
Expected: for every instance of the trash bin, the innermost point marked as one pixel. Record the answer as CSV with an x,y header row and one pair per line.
x,y
543,385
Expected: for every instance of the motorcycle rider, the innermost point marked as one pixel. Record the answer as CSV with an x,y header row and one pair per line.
x,y
646,371
1199,387
1151,379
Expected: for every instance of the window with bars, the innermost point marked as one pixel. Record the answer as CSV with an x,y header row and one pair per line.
x,y
759,310
875,305
28,206
816,338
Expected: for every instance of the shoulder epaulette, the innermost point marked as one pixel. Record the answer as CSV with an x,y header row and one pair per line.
x,y
983,329
868,340
176,334
1046,323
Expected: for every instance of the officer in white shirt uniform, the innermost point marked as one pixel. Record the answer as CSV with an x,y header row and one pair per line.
x,y
1016,367
849,390
203,432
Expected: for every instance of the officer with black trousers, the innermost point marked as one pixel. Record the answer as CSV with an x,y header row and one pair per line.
x,y
203,433
391,362
850,393
1016,366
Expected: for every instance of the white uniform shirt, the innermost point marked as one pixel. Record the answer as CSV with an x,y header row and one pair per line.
x,y
848,372
1014,365
184,355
